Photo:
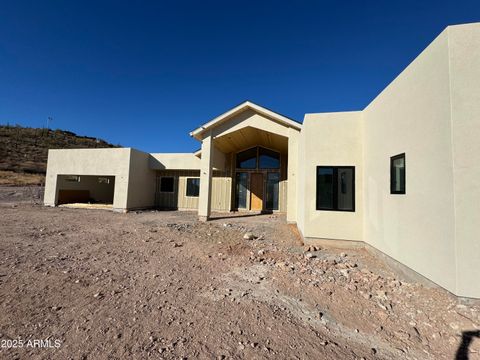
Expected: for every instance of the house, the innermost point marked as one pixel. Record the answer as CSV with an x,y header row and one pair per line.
x,y
401,176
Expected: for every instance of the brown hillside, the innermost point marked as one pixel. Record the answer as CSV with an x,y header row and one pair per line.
x,y
25,150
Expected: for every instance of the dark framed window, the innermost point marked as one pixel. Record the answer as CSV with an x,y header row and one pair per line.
x,y
258,158
336,188
268,159
273,182
167,184
241,184
247,159
397,174
193,187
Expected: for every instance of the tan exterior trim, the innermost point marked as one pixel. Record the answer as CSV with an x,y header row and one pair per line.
x,y
197,133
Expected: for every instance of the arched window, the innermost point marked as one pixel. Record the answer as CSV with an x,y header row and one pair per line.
x,y
258,158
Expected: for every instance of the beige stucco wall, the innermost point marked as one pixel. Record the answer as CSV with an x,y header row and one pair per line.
x,y
100,162
134,181
464,60
430,112
412,116
141,183
301,178
330,139
174,161
292,173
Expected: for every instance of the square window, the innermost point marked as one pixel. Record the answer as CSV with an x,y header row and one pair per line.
x,y
167,184
193,187
336,188
397,174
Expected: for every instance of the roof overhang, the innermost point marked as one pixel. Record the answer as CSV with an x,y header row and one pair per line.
x,y
198,133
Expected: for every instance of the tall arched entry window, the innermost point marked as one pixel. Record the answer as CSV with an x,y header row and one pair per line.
x,y
257,179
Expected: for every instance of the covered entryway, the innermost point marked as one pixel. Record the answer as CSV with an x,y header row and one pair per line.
x,y
258,149
260,179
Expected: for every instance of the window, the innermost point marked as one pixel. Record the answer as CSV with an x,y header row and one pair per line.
x,y
247,159
166,184
273,180
258,157
336,188
268,159
241,190
193,187
397,174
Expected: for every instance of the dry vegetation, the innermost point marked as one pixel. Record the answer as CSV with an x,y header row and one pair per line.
x,y
24,151
21,179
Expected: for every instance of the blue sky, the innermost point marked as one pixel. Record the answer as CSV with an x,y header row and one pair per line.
x,y
145,73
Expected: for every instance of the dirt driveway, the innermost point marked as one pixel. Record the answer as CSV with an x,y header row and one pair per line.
x,y
95,284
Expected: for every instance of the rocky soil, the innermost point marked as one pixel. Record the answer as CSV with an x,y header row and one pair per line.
x,y
162,285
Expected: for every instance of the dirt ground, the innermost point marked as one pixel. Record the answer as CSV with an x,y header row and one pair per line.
x,y
94,284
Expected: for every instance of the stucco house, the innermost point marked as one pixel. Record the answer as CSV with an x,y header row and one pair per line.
x,y
401,176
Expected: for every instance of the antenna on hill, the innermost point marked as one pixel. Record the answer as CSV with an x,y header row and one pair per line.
x,y
49,120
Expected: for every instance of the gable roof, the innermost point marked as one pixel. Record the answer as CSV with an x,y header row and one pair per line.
x,y
240,108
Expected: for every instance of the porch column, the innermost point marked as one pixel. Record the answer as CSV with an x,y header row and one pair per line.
x,y
206,171
293,136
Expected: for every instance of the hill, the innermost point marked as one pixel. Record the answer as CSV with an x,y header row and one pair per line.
x,y
24,151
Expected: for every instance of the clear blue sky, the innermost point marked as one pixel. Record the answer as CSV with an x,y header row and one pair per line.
x,y
145,73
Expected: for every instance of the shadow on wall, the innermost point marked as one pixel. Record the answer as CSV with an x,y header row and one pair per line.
x,y
467,338
154,163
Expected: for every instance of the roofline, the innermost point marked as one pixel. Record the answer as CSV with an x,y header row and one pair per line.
x,y
261,109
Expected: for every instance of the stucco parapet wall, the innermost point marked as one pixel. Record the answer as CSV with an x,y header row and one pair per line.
x,y
330,115
96,162
174,161
103,161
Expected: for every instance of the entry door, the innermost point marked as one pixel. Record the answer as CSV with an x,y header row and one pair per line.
x,y
256,191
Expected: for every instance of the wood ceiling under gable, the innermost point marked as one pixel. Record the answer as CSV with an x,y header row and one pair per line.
x,y
248,137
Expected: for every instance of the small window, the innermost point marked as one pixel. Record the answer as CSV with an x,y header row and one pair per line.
x,y
397,174
268,159
193,187
247,159
72,178
336,188
166,184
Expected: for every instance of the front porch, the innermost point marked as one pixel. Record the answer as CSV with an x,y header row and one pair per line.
x,y
253,180
256,150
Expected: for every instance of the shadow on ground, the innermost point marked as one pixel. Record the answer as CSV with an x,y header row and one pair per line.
x,y
467,339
